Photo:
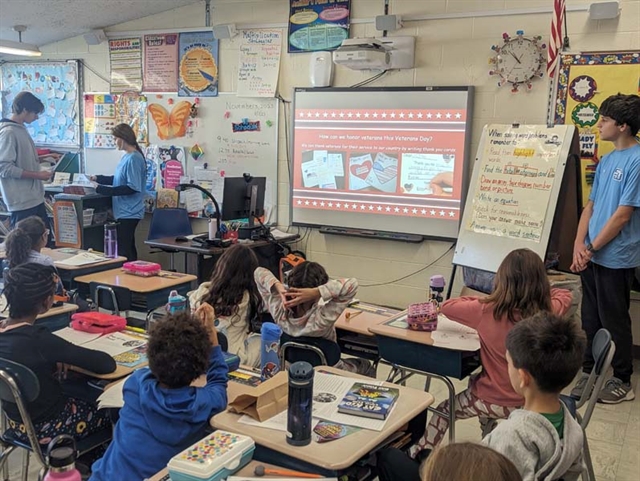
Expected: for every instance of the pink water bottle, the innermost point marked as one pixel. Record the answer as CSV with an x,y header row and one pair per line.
x,y
61,460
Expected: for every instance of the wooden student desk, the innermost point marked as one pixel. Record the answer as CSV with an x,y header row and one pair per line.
x,y
352,329
55,318
332,458
150,292
69,273
418,352
266,251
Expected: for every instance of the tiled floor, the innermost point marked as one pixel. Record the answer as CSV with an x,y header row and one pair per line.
x,y
613,433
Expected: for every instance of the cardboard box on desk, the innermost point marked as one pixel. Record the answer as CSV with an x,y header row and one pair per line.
x,y
264,401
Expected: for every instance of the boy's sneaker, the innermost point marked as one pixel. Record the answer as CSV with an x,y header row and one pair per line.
x,y
615,391
578,389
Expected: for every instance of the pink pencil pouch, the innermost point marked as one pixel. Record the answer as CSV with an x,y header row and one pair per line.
x,y
423,316
142,268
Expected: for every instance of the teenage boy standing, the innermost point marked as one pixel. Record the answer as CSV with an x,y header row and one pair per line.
x,y
21,180
607,245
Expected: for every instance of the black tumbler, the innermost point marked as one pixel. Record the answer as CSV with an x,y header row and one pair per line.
x,y
300,403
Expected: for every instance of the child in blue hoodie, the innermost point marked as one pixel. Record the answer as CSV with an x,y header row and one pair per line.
x,y
162,413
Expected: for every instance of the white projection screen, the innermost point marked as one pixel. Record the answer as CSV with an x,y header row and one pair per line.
x,y
390,159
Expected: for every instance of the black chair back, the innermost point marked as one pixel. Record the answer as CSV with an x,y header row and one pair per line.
x,y
330,349
23,377
112,298
600,348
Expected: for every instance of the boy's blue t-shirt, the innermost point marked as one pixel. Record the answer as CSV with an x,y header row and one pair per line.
x,y
157,423
131,171
617,183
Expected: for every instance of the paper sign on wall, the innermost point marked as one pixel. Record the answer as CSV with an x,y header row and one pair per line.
x,y
259,63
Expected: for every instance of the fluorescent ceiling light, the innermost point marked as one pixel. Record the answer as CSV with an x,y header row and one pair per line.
x,y
19,48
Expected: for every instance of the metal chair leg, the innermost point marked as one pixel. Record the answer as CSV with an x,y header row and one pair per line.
x,y
25,465
4,461
587,460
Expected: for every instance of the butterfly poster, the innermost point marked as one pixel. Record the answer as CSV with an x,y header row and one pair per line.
x,y
198,66
169,119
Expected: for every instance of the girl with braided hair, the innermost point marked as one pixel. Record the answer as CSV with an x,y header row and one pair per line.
x,y
29,290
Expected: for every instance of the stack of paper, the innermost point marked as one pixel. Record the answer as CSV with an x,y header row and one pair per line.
x,y
82,259
113,396
115,343
76,337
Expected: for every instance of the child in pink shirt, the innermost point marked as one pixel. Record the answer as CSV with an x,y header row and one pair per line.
x,y
521,289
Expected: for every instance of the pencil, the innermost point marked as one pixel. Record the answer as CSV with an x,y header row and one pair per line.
x,y
135,329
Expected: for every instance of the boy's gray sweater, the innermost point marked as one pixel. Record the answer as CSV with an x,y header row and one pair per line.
x,y
17,154
532,444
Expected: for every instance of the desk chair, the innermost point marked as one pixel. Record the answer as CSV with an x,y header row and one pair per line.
x,y
19,385
169,223
603,349
316,351
115,299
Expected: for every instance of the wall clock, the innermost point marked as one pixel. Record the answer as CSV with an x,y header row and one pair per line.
x,y
518,60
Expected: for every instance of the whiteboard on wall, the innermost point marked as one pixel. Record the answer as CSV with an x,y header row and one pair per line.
x,y
513,193
237,135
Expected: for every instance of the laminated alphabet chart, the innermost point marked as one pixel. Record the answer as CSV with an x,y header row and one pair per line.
x,y
56,85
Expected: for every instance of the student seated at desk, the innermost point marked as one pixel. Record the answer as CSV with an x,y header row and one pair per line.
x,y
25,243
234,296
521,289
162,413
311,305
29,290
543,439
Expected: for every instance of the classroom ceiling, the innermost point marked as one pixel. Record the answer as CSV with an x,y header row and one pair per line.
x,y
50,21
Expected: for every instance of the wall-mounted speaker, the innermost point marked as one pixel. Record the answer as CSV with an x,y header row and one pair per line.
x,y
95,37
224,30
604,10
321,69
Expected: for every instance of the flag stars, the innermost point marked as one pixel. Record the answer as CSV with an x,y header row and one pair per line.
x,y
338,205
401,115
396,209
379,208
458,116
429,115
438,115
363,207
317,114
452,213
448,115
384,115
441,213
325,115
331,204
411,115
341,115
354,206
420,115
393,115
375,115
388,209
309,115
299,202
432,212
405,210
423,212
371,207
366,115
315,203
333,115
349,115
415,211
306,202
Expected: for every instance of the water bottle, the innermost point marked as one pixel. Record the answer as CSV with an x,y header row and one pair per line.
x,y
270,349
176,303
111,240
61,458
300,403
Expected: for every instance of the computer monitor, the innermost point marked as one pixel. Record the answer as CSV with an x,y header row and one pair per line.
x,y
243,197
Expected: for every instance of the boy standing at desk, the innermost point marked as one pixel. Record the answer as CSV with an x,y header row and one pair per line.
x,y
607,245
162,413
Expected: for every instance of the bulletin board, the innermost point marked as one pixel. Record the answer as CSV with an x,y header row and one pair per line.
x,y
237,135
518,178
58,85
583,82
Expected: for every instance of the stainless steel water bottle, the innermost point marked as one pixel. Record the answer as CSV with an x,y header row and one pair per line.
x,y
300,403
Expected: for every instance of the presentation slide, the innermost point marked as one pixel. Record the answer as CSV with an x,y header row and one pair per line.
x,y
381,159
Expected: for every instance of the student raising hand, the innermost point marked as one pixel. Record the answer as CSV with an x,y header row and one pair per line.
x,y
207,315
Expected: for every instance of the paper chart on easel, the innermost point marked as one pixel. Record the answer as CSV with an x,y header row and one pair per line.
x,y
259,63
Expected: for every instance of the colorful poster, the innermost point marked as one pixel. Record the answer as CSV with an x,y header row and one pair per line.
x,y
198,68
584,81
99,121
259,63
103,112
318,24
161,63
125,55
56,85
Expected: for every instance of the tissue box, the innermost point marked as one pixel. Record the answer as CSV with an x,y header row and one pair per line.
x,y
213,458
423,316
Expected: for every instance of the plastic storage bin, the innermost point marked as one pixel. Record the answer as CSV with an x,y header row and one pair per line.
x,y
213,458
142,268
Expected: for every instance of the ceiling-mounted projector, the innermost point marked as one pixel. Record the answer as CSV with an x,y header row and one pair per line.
x,y
363,54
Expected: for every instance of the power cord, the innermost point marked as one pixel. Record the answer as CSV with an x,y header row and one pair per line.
x,y
409,275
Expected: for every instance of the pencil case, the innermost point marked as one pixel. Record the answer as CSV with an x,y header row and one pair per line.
x,y
213,458
423,316
97,322
142,268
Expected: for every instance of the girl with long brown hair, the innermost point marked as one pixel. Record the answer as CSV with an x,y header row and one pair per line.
x,y
127,187
521,289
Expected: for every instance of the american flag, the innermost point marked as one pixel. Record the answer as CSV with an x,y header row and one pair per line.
x,y
555,42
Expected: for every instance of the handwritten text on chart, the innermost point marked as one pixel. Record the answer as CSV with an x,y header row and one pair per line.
x,y
517,174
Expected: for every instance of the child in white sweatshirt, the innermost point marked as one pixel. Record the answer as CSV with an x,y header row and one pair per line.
x,y
311,304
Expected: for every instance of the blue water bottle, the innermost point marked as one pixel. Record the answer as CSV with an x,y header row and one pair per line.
x,y
270,349
176,303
